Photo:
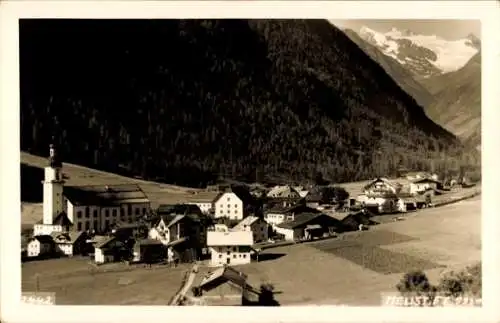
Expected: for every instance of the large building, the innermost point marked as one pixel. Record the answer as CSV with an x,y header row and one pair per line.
x,y
93,208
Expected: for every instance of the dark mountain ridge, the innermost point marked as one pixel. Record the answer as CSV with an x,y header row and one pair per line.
x,y
185,101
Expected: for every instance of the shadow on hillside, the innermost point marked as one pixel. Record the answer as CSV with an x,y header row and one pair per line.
x,y
31,186
270,256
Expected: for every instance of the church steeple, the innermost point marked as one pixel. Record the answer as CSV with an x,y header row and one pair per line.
x,y
54,160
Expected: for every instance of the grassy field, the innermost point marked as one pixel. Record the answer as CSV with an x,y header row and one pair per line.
x,y
356,268
76,282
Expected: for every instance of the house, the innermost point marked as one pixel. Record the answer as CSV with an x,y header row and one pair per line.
x,y
204,200
235,204
189,229
40,245
258,226
226,286
69,243
309,225
353,221
424,184
314,198
231,247
380,202
279,214
420,175
60,224
149,251
105,250
381,186
125,230
186,208
283,191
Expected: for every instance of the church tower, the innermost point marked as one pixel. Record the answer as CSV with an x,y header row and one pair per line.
x,y
52,188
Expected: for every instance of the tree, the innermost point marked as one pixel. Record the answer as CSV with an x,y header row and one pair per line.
x,y
464,283
415,286
266,296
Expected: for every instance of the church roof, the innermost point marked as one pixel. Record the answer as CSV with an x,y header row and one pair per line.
x,y
105,195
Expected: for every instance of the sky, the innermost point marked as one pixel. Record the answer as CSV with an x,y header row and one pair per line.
x,y
447,29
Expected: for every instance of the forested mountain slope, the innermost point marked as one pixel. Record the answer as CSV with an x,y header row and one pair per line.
x,y
185,101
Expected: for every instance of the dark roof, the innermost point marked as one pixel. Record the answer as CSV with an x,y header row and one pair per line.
x,y
355,219
427,179
291,209
304,218
105,195
44,238
62,219
103,243
222,275
179,209
148,242
69,237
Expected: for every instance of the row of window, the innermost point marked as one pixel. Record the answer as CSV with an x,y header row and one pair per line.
x,y
107,214
235,255
228,211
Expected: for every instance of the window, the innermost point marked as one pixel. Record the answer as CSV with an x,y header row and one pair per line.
x,y
129,209
106,224
221,211
114,213
106,213
137,211
220,256
236,205
234,256
228,199
87,225
95,225
235,211
79,225
228,211
87,212
79,214
95,213
228,206
143,210
229,253
235,249
244,255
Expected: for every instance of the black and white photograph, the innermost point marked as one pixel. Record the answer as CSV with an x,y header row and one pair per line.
x,y
250,162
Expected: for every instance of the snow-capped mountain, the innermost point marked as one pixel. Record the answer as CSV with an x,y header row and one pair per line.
x,y
423,55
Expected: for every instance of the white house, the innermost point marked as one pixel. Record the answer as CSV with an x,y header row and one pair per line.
x,y
257,226
103,252
421,185
86,207
40,245
230,248
279,214
381,186
69,243
168,229
233,204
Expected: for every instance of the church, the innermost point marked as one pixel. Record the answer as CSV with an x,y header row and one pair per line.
x,y
86,208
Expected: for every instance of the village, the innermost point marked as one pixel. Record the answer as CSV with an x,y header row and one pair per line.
x,y
219,228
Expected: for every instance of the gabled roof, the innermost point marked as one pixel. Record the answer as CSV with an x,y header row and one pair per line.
x,y
179,209
44,238
425,180
148,242
384,180
177,242
249,220
292,209
242,193
283,191
222,275
304,219
105,242
105,195
66,237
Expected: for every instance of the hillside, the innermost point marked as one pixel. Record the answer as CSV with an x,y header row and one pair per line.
x,y
457,104
186,101
395,69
